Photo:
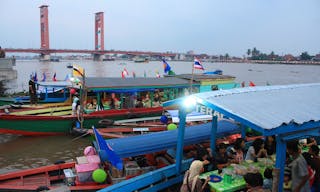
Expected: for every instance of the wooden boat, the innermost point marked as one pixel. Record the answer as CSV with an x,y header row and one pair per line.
x,y
47,92
55,177
53,122
51,177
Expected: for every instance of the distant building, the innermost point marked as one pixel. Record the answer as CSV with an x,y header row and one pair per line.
x,y
289,57
191,52
316,57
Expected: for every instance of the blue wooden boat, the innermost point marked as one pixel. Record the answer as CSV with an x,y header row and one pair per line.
x,y
47,92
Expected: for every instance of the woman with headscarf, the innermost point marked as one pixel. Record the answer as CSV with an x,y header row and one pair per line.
x,y
191,180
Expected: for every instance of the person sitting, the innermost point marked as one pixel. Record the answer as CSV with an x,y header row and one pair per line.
x,y
114,102
203,155
139,103
156,100
191,180
267,182
311,141
222,158
237,150
146,101
256,150
287,179
254,182
270,145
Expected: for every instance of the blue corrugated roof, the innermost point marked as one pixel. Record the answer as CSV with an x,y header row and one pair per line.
x,y
153,142
266,107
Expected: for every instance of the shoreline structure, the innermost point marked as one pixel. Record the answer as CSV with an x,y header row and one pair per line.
x,y
268,62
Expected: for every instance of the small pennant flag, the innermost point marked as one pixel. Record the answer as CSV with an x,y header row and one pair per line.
x,y
44,77
251,84
54,77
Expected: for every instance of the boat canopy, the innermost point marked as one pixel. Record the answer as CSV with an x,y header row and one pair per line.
x,y
153,142
113,84
61,84
193,116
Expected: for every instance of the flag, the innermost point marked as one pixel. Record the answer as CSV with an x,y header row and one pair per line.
x,y
243,84
67,78
197,64
124,73
144,74
133,74
166,66
251,84
107,151
54,77
44,77
157,74
35,77
77,71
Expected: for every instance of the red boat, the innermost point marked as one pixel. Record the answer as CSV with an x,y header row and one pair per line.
x,y
46,177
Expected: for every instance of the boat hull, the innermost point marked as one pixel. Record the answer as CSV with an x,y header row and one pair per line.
x,y
32,179
33,125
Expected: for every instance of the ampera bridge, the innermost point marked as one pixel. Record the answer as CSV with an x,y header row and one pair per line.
x,y
98,52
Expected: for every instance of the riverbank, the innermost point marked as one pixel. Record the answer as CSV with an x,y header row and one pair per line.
x,y
269,62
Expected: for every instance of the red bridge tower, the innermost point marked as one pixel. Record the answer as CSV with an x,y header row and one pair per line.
x,y
44,29
99,35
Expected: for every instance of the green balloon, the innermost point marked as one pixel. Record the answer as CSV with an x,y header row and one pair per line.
x,y
172,126
99,175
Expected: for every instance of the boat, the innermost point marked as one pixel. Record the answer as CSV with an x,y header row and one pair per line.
x,y
141,60
55,59
74,177
47,92
45,177
53,121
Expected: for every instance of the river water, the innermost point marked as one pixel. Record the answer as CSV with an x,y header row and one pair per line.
x,y
17,152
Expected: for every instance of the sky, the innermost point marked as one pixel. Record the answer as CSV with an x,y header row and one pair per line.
x,y
213,27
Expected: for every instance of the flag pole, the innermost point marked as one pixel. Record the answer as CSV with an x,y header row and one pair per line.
x,y
191,80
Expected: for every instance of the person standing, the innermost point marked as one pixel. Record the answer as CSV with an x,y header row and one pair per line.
x,y
299,168
75,103
32,92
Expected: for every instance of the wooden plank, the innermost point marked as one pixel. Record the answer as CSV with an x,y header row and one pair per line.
x,y
43,110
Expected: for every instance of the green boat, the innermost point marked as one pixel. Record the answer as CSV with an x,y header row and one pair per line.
x,y
58,120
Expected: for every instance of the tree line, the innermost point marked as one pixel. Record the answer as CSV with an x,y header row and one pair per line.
x,y
255,54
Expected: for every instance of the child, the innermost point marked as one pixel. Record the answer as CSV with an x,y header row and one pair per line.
x,y
287,180
267,182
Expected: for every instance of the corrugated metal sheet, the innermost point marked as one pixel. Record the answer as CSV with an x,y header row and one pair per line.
x,y
100,82
268,106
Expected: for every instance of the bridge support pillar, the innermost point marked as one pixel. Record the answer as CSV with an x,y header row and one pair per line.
x,y
98,57
44,57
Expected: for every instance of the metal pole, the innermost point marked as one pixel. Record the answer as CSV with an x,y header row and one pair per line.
x,y
191,81
280,162
213,137
181,128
